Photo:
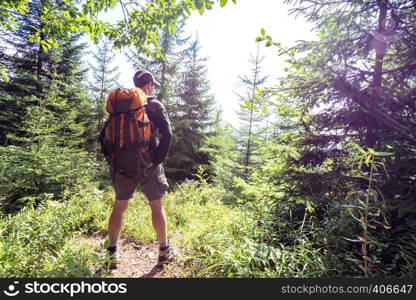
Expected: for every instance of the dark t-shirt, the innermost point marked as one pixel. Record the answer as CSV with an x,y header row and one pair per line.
x,y
157,113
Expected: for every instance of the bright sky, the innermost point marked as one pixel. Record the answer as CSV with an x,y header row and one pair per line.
x,y
227,37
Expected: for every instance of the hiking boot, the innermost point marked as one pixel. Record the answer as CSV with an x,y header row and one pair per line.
x,y
166,255
114,256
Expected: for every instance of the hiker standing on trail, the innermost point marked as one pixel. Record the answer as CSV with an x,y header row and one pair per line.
x,y
136,139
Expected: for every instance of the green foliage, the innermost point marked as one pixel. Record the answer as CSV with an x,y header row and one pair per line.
x,y
328,101
192,114
233,246
221,149
343,235
217,241
42,242
28,175
380,240
47,126
105,76
314,203
139,25
251,119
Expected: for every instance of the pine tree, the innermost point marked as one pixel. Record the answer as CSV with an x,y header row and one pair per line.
x,y
193,115
29,72
105,76
76,107
46,159
354,85
48,119
250,115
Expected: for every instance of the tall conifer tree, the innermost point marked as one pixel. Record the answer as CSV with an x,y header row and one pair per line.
x,y
194,114
105,76
48,118
249,114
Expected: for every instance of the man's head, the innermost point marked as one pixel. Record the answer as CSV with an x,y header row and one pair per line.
x,y
145,80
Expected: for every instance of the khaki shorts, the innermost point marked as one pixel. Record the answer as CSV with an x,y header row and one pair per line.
x,y
154,186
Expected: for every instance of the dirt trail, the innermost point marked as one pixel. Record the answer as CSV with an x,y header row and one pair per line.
x,y
138,260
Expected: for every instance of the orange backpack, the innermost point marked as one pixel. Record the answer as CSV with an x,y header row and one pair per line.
x,y
127,136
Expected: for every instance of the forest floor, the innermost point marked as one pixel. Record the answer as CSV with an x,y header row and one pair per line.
x,y
138,260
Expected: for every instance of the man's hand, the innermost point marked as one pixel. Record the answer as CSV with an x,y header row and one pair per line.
x,y
146,170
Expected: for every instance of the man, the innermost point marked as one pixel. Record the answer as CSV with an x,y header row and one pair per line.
x,y
154,185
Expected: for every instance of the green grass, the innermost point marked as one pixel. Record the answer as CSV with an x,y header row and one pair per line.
x,y
44,241
216,240
38,242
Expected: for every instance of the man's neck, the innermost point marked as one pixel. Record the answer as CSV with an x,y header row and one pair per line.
x,y
145,91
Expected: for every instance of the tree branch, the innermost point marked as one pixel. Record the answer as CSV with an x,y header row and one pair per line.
x,y
362,98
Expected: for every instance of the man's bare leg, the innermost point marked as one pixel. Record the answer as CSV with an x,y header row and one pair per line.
x,y
116,220
159,220
167,253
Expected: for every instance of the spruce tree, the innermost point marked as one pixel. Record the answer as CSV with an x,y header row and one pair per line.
x,y
105,76
250,113
194,114
29,67
47,121
352,86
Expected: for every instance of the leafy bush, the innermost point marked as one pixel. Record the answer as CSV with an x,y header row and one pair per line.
x,y
47,160
29,175
353,233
